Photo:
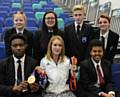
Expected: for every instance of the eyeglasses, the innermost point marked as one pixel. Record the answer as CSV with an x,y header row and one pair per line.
x,y
48,18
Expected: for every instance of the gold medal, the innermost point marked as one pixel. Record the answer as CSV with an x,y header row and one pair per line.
x,y
31,79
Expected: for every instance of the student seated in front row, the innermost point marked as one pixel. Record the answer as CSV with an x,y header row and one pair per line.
x,y
95,74
56,66
15,70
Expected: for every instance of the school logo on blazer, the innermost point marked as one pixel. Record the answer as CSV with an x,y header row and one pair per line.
x,y
84,39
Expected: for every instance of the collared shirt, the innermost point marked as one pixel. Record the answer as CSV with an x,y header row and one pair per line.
x,y
95,65
50,31
105,35
16,67
57,74
19,31
76,26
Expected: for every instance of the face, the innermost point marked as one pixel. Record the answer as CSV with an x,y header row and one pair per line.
x,y
18,47
19,21
56,47
103,24
78,16
96,53
50,20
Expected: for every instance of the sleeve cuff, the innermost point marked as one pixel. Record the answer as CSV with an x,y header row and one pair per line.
x,y
111,93
99,93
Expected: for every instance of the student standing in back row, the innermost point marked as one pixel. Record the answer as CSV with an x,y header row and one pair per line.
x,y
109,38
19,20
78,35
42,36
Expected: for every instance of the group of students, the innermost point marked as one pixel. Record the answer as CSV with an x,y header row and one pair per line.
x,y
52,49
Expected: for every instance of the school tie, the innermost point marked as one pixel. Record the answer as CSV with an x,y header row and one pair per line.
x,y
19,72
78,29
103,41
101,80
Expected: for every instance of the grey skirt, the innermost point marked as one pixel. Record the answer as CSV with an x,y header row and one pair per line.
x,y
63,94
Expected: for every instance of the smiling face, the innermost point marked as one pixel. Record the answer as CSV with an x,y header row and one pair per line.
x,y
96,53
18,47
56,47
19,21
50,20
103,24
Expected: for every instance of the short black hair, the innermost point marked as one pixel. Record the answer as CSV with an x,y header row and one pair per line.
x,y
18,36
95,42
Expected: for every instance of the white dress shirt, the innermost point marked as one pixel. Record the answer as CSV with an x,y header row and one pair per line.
x,y
95,64
77,25
19,31
105,35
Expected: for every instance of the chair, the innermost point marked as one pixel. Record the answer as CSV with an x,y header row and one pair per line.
x,y
31,22
43,3
1,22
36,6
30,14
28,9
46,8
1,34
8,22
115,67
14,10
4,8
3,14
35,1
8,4
61,23
116,79
58,11
17,1
2,50
16,5
68,21
39,16
32,29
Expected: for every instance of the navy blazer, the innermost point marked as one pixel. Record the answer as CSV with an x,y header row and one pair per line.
x,y
7,74
76,45
26,33
112,44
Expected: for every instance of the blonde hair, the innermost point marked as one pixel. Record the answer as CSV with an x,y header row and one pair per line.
x,y
78,7
20,12
49,49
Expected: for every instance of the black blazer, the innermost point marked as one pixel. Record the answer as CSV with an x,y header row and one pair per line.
x,y
88,77
41,41
77,45
7,74
28,35
112,44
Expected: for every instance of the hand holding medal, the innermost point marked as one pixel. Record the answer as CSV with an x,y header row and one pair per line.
x,y
31,78
74,63
42,76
